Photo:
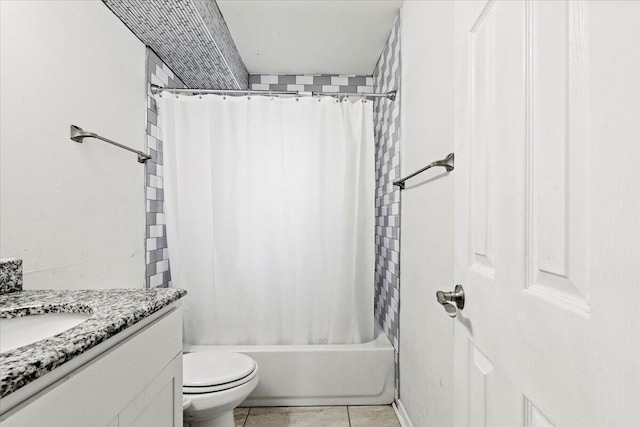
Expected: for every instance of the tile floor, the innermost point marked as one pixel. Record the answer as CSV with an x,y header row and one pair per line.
x,y
317,416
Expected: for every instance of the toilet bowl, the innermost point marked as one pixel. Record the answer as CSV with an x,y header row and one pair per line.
x,y
215,383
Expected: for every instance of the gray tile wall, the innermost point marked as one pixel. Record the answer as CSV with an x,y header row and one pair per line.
x,y
386,113
312,83
158,273
190,36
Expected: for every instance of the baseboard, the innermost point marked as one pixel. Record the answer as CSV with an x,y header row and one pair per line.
x,y
401,413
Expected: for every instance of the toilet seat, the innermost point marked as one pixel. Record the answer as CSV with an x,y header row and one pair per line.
x,y
208,372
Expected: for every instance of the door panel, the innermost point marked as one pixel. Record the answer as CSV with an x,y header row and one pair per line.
x,y
482,93
558,152
481,386
533,416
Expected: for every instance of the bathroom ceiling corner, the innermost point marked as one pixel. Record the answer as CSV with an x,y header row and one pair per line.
x,y
310,36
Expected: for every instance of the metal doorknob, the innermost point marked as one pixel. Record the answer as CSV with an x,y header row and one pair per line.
x,y
452,301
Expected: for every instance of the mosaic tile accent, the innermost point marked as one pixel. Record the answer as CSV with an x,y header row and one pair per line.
x,y
10,275
112,311
386,118
215,23
190,36
312,83
158,272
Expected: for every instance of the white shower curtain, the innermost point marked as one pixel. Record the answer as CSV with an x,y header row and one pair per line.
x,y
270,217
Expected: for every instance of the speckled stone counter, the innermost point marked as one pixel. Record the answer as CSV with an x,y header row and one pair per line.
x,y
112,311
10,275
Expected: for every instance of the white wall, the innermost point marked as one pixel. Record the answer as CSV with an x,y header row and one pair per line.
x,y
73,212
426,332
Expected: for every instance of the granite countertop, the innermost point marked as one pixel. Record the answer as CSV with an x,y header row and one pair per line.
x,y
112,311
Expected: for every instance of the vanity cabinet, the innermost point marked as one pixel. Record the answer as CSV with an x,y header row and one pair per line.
x,y
135,382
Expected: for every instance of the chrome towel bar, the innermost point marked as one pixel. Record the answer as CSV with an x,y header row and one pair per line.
x,y
77,135
446,163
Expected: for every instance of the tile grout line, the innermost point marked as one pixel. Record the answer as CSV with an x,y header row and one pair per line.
x,y
246,418
348,416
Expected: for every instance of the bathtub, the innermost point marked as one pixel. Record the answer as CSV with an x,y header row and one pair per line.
x,y
309,375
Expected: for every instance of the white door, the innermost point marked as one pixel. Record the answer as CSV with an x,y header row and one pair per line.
x,y
547,213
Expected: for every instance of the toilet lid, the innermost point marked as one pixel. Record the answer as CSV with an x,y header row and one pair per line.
x,y
210,368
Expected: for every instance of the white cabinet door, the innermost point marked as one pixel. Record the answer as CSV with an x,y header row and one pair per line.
x,y
160,403
547,213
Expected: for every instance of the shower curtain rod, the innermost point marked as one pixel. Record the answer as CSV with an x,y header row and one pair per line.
x,y
158,89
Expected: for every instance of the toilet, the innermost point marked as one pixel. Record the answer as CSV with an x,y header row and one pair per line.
x,y
214,383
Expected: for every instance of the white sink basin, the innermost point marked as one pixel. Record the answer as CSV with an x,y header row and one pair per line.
x,y
18,331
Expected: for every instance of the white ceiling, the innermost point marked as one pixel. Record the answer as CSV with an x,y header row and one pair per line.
x,y
310,36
